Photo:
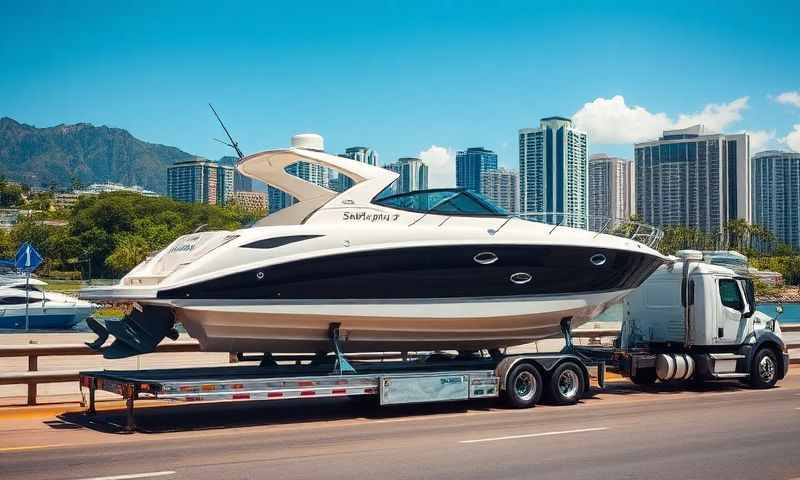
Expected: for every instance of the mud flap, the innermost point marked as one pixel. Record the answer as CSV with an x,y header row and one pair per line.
x,y
135,334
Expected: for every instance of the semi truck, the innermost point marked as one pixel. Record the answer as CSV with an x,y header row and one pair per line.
x,y
690,321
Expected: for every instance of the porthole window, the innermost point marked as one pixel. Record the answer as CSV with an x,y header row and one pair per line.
x,y
521,278
598,259
485,258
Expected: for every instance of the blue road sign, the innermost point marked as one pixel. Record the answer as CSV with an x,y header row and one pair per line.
x,y
27,258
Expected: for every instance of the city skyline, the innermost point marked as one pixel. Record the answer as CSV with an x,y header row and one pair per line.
x,y
157,79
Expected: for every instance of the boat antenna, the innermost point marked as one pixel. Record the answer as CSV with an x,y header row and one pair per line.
x,y
233,143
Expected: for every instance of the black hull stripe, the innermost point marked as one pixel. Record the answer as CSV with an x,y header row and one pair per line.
x,y
432,272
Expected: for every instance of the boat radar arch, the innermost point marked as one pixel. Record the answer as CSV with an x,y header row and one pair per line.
x,y
270,168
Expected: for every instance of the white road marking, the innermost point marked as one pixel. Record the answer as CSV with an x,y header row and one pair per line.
x,y
134,475
531,435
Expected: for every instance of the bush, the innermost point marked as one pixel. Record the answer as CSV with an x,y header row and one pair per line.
x,y
64,275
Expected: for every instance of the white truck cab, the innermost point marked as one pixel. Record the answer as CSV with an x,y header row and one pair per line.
x,y
700,321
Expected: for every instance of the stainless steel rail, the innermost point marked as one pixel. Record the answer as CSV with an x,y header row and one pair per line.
x,y
640,232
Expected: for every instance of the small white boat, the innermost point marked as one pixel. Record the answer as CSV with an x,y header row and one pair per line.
x,y
45,310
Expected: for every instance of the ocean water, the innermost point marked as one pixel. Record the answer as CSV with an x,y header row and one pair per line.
x,y
791,312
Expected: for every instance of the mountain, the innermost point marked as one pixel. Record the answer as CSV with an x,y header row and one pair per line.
x,y
82,152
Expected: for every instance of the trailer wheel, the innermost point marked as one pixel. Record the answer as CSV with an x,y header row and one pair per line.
x,y
523,386
764,370
566,384
644,376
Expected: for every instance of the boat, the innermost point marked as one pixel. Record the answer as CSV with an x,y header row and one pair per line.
x,y
9,273
440,269
45,310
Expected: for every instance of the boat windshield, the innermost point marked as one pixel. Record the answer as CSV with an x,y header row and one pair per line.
x,y
444,201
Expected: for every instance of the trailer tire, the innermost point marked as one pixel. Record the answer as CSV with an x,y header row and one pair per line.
x,y
566,384
764,369
523,386
645,376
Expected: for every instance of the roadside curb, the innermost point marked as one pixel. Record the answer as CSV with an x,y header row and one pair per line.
x,y
24,412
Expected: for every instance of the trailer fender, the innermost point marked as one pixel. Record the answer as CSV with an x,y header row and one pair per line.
x,y
545,364
764,338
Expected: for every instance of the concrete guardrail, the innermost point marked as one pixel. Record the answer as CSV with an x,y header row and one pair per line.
x,y
34,377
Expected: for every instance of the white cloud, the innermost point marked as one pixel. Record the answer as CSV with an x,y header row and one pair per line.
x,y
789,98
441,162
761,140
714,116
612,121
792,139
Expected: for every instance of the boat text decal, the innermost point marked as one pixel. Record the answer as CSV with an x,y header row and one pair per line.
x,y
370,217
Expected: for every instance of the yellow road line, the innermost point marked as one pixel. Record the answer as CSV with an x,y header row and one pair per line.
x,y
31,447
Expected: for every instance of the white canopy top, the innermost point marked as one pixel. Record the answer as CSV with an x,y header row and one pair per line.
x,y
270,167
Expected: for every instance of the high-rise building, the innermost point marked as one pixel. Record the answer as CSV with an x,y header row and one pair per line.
x,y
611,189
695,179
501,186
361,154
413,174
311,172
241,183
470,164
553,169
776,194
200,181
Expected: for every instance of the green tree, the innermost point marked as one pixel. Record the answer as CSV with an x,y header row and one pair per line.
x,y
10,194
130,250
737,231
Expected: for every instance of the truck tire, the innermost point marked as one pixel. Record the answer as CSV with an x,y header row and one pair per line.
x,y
764,369
523,386
566,384
645,376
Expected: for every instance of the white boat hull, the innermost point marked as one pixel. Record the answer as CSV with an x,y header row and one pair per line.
x,y
385,325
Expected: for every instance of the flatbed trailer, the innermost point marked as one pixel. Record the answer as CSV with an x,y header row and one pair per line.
x,y
521,379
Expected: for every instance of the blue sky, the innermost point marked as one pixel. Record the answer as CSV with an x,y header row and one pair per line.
x,y
402,77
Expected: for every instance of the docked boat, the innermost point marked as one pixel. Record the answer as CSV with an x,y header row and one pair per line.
x,y
435,269
45,310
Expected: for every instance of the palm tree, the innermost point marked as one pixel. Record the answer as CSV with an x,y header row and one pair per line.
x,y
763,236
736,230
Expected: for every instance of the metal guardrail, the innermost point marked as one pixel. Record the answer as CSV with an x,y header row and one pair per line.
x,y
33,377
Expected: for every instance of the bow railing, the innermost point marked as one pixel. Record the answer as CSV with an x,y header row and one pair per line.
x,y
640,232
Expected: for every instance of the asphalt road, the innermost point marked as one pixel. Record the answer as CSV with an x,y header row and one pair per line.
x,y
720,432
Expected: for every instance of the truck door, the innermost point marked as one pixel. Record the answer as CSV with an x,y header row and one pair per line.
x,y
730,310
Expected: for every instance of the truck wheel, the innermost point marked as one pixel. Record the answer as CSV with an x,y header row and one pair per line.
x,y
566,384
523,386
764,370
645,376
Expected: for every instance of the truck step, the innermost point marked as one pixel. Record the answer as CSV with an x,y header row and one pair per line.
x,y
726,356
730,375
